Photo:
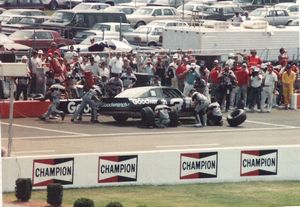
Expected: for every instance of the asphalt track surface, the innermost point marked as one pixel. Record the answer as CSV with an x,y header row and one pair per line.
x,y
32,136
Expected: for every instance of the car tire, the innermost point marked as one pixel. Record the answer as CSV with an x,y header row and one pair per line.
x,y
236,117
148,117
53,5
120,118
152,44
173,118
140,23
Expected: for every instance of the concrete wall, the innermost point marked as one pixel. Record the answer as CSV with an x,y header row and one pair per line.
x,y
155,167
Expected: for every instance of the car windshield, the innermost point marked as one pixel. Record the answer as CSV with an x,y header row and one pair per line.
x,y
27,21
143,30
61,16
21,35
187,7
258,13
243,1
133,93
87,41
124,28
211,10
83,35
143,11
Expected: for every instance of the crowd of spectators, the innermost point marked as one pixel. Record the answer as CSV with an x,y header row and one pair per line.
x,y
237,82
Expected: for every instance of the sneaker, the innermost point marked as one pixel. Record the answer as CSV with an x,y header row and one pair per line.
x,y
198,125
62,116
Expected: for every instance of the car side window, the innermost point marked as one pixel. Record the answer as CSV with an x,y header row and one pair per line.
x,y
168,12
12,2
280,13
272,13
42,36
157,12
35,1
171,93
228,10
24,2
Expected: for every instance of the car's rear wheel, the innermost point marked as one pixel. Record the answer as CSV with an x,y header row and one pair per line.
x,y
140,23
120,118
147,116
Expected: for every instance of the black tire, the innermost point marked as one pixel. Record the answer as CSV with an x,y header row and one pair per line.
x,y
140,23
120,118
236,117
53,5
173,118
152,44
148,117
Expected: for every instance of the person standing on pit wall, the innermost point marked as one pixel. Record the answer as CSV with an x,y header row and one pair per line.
x,y
55,92
161,113
283,57
91,98
253,60
288,80
200,103
268,88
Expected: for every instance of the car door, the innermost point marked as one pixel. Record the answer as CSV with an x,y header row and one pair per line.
x,y
282,17
228,13
43,40
169,13
271,17
157,14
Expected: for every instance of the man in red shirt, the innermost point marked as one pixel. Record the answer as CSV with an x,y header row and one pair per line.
x,y
181,73
53,48
242,77
214,80
253,60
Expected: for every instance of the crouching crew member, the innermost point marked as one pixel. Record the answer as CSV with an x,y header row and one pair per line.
x,y
214,113
200,103
54,93
91,98
162,118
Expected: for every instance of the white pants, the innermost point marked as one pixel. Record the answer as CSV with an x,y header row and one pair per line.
x,y
267,93
187,88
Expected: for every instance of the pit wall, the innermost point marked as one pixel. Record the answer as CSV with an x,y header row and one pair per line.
x,y
155,167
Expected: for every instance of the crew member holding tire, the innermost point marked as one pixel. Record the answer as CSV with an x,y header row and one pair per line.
x,y
162,118
214,113
200,103
90,98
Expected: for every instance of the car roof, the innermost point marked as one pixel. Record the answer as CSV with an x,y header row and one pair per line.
x,y
144,89
87,11
37,30
157,7
112,23
93,3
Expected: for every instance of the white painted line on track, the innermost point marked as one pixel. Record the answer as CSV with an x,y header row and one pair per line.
x,y
44,129
270,124
149,133
187,145
34,151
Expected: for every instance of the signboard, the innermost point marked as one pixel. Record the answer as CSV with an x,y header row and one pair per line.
x,y
198,165
48,171
259,162
117,169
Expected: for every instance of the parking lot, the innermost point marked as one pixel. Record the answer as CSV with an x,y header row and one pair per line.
x,y
32,136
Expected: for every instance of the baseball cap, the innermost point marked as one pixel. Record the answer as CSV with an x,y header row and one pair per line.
x,y
40,52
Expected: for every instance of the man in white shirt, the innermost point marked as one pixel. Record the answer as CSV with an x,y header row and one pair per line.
x,y
269,86
116,65
92,66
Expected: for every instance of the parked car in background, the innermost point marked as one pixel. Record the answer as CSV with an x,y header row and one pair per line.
x,y
168,23
144,15
111,29
145,36
172,3
17,48
291,8
135,3
221,12
91,5
190,7
125,9
25,4
23,12
69,22
39,39
24,23
294,23
272,16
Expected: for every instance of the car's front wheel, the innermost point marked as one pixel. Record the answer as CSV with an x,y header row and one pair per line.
x,y
120,118
140,23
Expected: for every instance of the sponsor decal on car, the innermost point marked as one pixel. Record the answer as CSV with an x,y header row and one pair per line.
x,y
259,162
198,165
117,169
144,101
49,171
115,105
70,106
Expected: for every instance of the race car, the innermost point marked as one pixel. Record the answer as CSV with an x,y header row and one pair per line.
x,y
140,102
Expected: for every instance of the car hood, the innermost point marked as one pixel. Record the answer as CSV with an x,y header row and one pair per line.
x,y
133,16
15,46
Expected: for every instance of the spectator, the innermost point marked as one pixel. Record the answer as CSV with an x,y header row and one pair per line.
x,y
116,65
255,88
288,81
237,19
53,48
114,86
160,71
283,57
128,78
69,54
33,64
242,77
227,80
190,77
22,83
253,60
92,66
246,16
268,89
181,73
149,69
214,80
103,71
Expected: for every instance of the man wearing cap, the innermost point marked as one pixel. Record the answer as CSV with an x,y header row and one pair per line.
x,y
104,72
190,77
128,78
255,88
22,83
242,77
92,66
214,80
33,65
116,65
181,72
283,57
53,48
149,69
269,87
288,80
253,60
